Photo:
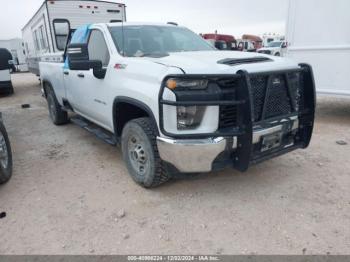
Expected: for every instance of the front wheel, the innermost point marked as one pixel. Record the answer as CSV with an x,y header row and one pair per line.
x,y
141,155
5,156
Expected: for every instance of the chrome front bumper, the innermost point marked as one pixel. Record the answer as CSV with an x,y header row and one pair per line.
x,y
198,155
190,156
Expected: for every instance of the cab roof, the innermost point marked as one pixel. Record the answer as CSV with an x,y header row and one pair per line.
x,y
139,24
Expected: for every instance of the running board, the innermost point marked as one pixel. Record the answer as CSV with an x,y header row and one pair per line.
x,y
99,132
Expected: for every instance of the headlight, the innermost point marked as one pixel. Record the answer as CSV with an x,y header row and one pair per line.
x,y
195,84
189,117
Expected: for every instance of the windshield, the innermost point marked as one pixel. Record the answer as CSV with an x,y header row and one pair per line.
x,y
274,44
156,41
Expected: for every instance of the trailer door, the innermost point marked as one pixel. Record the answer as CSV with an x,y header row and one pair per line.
x,y
318,34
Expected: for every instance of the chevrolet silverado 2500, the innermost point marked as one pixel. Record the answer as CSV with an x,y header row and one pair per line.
x,y
176,104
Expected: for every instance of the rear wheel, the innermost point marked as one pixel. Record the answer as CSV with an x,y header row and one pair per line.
x,y
8,91
141,155
277,54
5,156
11,91
57,115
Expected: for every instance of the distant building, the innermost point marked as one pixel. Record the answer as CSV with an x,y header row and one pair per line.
x,y
18,53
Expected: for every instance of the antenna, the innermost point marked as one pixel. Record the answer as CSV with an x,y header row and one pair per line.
x,y
123,36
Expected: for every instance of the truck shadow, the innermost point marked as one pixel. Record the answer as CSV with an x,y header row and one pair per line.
x,y
265,174
331,109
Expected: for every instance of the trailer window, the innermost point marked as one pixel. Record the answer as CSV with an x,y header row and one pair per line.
x,y
42,38
61,29
97,47
36,41
26,48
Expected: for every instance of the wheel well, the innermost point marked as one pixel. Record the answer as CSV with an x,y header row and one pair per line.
x,y
46,85
124,111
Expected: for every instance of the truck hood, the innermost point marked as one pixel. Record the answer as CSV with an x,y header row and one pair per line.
x,y
206,62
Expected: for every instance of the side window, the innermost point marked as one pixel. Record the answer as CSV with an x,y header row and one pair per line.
x,y
97,47
61,28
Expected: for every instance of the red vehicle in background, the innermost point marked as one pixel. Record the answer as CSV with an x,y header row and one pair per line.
x,y
221,42
256,40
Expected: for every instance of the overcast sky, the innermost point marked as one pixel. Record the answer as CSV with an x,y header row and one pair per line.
x,y
234,17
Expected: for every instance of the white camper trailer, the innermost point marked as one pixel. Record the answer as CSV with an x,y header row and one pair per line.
x,y
47,31
318,34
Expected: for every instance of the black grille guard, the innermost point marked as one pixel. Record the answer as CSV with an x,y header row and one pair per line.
x,y
244,154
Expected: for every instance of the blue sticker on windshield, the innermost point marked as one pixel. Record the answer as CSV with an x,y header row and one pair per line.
x,y
79,36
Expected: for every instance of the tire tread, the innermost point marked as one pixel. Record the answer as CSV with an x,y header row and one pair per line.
x,y
61,115
3,176
161,174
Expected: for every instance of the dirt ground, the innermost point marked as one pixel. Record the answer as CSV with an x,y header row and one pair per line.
x,y
71,194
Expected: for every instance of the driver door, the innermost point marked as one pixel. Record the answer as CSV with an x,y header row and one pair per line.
x,y
86,93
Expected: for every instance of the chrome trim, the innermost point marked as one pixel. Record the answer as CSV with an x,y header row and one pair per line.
x,y
258,133
191,155
235,142
198,155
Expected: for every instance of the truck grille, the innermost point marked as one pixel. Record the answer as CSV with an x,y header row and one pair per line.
x,y
279,101
228,116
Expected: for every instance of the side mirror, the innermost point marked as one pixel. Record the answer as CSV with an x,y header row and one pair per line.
x,y
78,56
78,59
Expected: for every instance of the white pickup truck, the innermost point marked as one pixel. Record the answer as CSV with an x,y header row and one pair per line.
x,y
276,48
176,104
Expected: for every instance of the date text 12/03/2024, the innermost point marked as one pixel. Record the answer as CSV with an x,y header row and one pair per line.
x,y
173,258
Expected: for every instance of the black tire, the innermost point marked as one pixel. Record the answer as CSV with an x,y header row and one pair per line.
x,y
5,161
57,115
277,54
11,91
140,153
8,91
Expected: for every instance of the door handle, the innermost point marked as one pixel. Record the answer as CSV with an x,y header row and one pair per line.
x,y
81,75
66,72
